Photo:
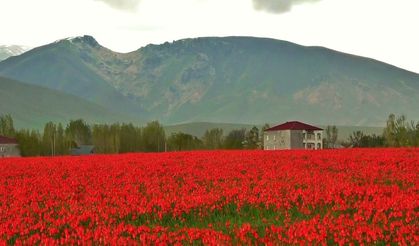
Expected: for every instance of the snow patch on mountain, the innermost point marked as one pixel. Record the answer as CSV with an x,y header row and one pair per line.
x,y
7,51
85,39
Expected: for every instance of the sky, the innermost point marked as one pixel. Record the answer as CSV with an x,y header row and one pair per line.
x,y
386,30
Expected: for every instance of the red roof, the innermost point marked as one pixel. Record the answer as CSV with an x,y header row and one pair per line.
x,y
6,140
294,125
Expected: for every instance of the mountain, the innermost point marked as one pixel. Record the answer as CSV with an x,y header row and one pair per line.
x,y
230,79
69,66
32,106
7,51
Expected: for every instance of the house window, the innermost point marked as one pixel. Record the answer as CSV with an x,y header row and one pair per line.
x,y
319,146
310,136
305,146
304,136
267,137
2,149
319,136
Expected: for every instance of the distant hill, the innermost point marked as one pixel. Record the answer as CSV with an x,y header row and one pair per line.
x,y
7,51
32,106
230,79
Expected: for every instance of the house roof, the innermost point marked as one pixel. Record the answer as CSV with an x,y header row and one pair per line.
x,y
294,125
83,150
7,140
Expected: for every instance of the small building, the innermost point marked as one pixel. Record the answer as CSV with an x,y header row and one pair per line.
x,y
293,135
83,150
9,147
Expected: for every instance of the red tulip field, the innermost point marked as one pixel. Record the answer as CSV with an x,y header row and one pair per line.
x,y
345,197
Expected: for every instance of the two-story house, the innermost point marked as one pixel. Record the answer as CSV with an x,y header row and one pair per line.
x,y
293,135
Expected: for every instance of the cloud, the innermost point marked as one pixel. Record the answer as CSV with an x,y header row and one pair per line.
x,y
278,6
129,5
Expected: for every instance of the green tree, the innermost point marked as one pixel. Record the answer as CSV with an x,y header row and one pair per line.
x,y
390,131
355,138
181,141
154,137
60,141
399,132
29,142
213,139
7,128
370,141
328,138
78,132
252,140
412,133
130,138
115,138
359,140
415,133
235,139
331,136
49,139
334,135
106,138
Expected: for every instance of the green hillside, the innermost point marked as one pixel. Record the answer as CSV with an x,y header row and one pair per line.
x,y
32,106
231,79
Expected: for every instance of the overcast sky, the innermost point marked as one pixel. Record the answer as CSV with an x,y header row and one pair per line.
x,y
386,30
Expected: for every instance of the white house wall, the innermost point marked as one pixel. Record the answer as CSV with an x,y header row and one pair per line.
x,y
275,140
297,139
9,150
292,139
316,141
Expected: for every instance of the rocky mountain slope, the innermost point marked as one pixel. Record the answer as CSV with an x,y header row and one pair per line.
x,y
231,79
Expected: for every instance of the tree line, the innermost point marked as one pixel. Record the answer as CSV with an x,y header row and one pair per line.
x,y
399,132
57,139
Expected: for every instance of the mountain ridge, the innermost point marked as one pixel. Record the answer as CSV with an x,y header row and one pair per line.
x,y
228,79
62,70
